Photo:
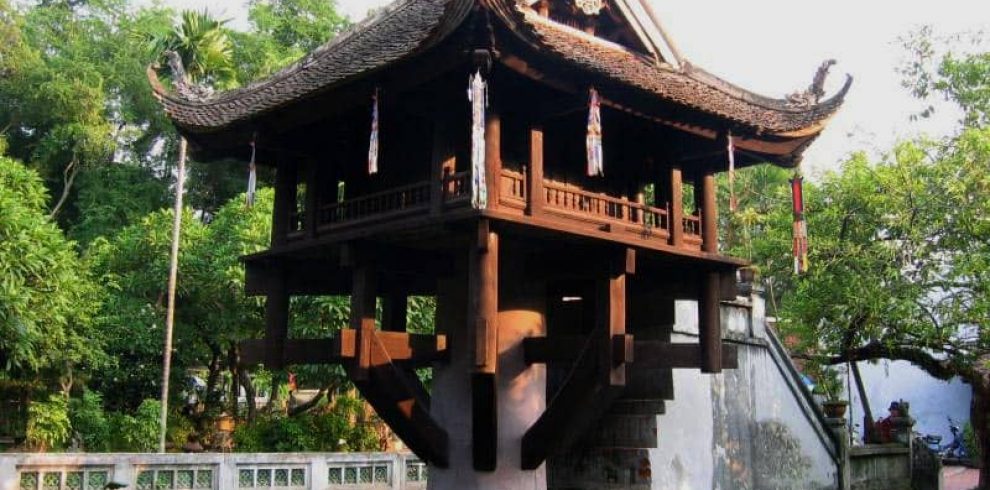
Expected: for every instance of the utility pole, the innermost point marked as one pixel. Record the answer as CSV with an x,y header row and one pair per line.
x,y
173,269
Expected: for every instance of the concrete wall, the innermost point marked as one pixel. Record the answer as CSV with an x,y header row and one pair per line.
x,y
880,467
747,428
212,471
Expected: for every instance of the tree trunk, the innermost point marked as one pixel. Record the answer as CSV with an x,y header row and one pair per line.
x,y
249,393
68,177
235,382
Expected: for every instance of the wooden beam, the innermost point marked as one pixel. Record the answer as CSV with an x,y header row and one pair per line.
x,y
647,354
276,321
414,350
581,401
535,196
709,214
399,402
610,313
363,317
483,287
676,207
286,178
710,323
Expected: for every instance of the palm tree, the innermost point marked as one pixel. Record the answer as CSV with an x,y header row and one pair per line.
x,y
203,49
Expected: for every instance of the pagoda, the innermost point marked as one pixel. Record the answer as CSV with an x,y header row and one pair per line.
x,y
544,169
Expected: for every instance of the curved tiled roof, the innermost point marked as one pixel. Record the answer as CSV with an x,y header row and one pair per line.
x,y
408,27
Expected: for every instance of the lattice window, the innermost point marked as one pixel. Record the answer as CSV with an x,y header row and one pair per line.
x,y
374,474
176,478
275,477
84,478
415,470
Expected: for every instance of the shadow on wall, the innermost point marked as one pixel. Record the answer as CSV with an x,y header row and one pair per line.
x,y
780,464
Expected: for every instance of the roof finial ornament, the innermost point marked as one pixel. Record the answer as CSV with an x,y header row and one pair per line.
x,y
815,91
590,7
183,86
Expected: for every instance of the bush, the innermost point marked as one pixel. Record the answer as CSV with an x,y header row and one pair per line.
x,y
971,443
89,422
48,424
329,430
137,433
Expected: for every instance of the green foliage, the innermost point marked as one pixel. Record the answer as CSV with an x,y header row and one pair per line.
x,y
46,295
139,432
323,430
48,423
204,46
972,443
90,422
113,197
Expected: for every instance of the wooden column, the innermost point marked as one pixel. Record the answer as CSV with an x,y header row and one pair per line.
x,y
483,321
709,214
394,306
312,197
534,177
610,319
493,155
442,160
276,321
710,323
285,199
363,317
676,207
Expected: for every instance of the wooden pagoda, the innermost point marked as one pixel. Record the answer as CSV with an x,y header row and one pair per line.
x,y
554,268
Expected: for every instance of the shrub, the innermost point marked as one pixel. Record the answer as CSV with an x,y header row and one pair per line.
x,y
48,424
139,432
89,421
971,443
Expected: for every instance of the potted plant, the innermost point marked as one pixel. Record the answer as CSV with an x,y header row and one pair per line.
x,y
829,386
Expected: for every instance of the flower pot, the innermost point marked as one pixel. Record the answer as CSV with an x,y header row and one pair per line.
x,y
835,409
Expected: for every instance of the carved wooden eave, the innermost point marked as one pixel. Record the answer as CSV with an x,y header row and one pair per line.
x,y
657,84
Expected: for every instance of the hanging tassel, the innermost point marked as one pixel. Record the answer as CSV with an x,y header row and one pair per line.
x,y
478,95
596,161
800,227
733,204
252,175
373,143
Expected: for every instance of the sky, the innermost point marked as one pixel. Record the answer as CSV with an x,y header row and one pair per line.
x,y
773,47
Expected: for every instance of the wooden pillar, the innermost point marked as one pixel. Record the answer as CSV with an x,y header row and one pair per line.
x,y
535,197
483,321
710,323
313,191
276,321
493,155
363,316
676,207
611,316
709,214
285,199
442,161
394,306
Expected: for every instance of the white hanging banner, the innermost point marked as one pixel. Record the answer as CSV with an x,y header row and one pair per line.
x,y
596,161
373,142
252,176
478,95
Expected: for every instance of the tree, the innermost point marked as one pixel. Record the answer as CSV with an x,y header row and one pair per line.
x,y
46,296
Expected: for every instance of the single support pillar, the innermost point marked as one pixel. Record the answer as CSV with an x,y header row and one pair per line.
x,y
493,156
676,207
276,321
312,213
709,214
483,288
363,317
710,323
535,197
286,179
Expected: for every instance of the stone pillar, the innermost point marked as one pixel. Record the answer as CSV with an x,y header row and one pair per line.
x,y
520,389
838,427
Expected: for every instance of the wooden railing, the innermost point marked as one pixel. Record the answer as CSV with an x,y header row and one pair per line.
x,y
513,188
457,187
692,226
380,205
581,203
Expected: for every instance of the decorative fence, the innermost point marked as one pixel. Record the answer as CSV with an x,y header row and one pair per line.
x,y
213,471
